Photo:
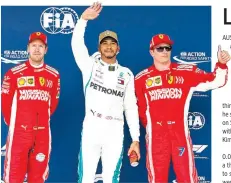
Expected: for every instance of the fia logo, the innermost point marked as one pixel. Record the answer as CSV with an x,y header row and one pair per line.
x,y
196,120
58,20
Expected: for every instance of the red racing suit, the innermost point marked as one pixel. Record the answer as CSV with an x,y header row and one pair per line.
x,y
163,102
29,96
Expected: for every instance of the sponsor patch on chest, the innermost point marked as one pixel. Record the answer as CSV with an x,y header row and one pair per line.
x,y
153,81
165,93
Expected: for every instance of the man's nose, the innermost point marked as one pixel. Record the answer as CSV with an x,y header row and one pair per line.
x,y
165,51
36,48
108,45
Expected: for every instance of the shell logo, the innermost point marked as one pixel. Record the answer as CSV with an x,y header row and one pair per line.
x,y
149,82
21,82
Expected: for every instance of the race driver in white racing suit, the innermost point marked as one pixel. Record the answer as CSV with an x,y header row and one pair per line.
x,y
109,90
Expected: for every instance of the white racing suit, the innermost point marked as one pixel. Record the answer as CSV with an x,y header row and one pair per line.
x,y
107,95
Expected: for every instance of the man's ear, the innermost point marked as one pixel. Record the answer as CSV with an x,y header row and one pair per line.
x,y
118,50
46,49
151,53
27,49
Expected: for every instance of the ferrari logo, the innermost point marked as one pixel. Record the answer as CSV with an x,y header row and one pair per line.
x,y
42,81
161,36
170,79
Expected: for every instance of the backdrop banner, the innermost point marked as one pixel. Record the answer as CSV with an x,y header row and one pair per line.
x,y
188,26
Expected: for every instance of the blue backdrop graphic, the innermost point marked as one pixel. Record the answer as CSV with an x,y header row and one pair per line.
x,y
189,27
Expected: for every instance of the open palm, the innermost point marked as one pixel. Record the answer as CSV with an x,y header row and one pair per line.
x,y
92,12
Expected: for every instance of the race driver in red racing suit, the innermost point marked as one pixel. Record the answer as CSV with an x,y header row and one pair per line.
x,y
163,92
30,94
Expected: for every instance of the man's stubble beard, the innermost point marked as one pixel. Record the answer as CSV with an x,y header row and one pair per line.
x,y
163,61
110,57
36,59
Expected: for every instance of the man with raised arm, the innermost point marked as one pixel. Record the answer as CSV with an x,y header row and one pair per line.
x,y
163,92
109,91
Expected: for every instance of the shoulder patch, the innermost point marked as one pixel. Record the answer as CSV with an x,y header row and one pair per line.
x,y
129,72
52,69
188,67
143,72
199,71
125,70
96,55
18,67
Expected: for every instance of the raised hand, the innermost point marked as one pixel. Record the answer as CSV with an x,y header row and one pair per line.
x,y
92,12
222,55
